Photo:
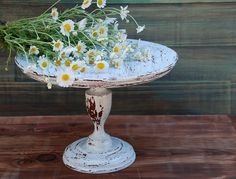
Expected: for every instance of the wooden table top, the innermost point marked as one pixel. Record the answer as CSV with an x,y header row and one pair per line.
x,y
202,147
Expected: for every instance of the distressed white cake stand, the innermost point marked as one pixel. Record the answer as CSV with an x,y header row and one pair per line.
x,y
101,153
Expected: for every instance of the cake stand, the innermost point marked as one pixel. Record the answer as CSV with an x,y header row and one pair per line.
x,y
99,152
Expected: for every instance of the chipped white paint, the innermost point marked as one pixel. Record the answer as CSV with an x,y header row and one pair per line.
x,y
132,73
99,153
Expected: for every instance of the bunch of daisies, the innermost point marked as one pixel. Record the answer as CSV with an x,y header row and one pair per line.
x,y
75,41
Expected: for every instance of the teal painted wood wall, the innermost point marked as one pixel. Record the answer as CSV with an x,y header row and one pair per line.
x,y
203,32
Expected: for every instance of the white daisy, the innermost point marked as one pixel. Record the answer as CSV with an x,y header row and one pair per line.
x,y
90,56
57,62
109,20
54,14
80,47
65,78
66,52
103,31
94,34
101,3
84,69
33,50
86,4
124,12
117,49
82,24
67,27
140,28
62,54
117,62
68,62
101,66
57,45
121,36
43,63
77,65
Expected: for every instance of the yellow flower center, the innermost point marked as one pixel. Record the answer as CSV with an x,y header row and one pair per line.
x,y
91,54
117,64
57,44
78,48
102,30
65,77
67,27
33,49
54,13
58,63
100,2
86,2
101,66
67,63
63,54
116,49
44,64
95,34
91,61
82,70
75,67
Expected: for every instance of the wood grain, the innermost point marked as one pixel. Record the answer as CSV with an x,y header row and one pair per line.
x,y
161,98
203,82
166,146
233,98
201,24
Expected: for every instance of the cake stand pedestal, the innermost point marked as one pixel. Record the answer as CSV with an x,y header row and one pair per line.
x,y
99,152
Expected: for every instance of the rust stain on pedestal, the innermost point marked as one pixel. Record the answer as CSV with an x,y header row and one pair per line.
x,y
92,111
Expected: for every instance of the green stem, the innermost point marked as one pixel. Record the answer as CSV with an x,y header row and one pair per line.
x,y
8,59
51,7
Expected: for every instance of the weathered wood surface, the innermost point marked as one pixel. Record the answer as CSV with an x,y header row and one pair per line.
x,y
202,32
171,98
166,146
201,24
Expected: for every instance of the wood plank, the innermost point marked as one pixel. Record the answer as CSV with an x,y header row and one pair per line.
x,y
6,75
233,99
201,24
204,63
206,47
161,98
175,98
187,24
33,146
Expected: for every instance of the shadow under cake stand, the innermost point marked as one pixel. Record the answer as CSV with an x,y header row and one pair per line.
x,y
99,152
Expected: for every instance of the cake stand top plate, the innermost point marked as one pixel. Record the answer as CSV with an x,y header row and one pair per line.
x,y
131,73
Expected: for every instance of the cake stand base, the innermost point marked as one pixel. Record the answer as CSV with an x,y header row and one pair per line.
x,y
78,157
99,153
